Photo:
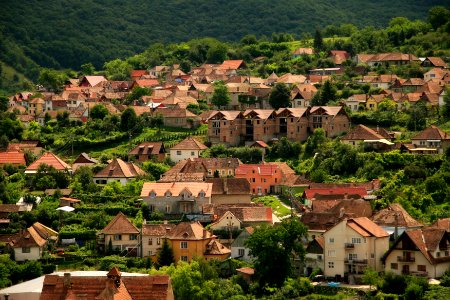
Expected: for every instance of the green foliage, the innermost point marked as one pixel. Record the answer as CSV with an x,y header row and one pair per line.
x,y
438,16
285,149
437,293
52,79
273,248
155,169
371,277
280,96
220,96
118,70
128,120
137,93
165,255
318,42
275,203
99,112
245,154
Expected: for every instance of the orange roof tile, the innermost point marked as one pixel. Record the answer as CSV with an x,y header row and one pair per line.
x,y
120,169
120,225
49,159
12,157
189,143
176,188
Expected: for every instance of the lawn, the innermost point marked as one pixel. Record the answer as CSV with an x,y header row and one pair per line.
x,y
271,201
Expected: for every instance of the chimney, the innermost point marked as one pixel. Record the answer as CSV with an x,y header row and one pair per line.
x,y
341,212
204,233
66,281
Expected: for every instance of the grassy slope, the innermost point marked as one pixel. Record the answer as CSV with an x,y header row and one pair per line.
x,y
8,84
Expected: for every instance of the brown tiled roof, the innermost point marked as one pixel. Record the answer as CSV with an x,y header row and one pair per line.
x,y
211,163
437,61
87,287
362,132
245,213
370,185
246,270
394,215
157,229
120,169
174,113
319,221
69,199
230,186
189,143
214,247
49,159
85,159
349,208
338,192
432,133
231,64
366,227
190,231
120,225
16,158
30,238
300,51
147,148
9,208
94,80
442,224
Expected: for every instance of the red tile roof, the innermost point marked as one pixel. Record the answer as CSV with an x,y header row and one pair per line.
x,y
362,132
189,143
314,192
14,158
395,215
49,159
365,227
231,64
120,169
147,148
176,188
432,133
120,225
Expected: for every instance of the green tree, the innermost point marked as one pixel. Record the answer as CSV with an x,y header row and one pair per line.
x,y
52,80
280,96
371,277
446,107
220,96
4,101
273,248
438,16
165,255
137,93
99,112
327,93
128,119
118,70
217,53
318,42
87,69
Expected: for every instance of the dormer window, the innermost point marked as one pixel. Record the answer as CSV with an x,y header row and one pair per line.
x,y
201,194
152,195
168,194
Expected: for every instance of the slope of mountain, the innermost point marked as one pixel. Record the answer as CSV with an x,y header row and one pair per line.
x,y
69,33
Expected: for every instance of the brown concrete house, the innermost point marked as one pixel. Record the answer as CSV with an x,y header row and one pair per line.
x,y
421,252
113,285
250,214
152,236
148,151
122,235
386,59
177,117
333,119
430,140
118,170
293,123
378,139
230,190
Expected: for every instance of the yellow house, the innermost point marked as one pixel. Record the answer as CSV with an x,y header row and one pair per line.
x,y
353,245
373,101
421,252
36,106
191,239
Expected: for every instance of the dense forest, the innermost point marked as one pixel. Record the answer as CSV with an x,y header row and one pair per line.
x,y
66,34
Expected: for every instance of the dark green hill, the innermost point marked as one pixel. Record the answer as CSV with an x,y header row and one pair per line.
x,y
69,33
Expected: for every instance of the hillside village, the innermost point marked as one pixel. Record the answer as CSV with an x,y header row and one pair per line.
x,y
172,166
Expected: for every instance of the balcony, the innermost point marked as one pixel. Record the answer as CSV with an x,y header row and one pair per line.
x,y
355,261
349,246
406,259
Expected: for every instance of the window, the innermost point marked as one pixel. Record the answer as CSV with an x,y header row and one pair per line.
x,y
394,266
133,237
331,253
168,194
352,256
209,172
192,153
184,258
356,240
241,252
183,245
167,208
152,195
319,257
201,195
331,240
446,253
229,172
26,249
158,241
150,241
117,237
178,152
150,253
438,254
331,264
372,255
421,268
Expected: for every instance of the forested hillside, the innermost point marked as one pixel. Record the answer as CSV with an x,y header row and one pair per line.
x,y
69,33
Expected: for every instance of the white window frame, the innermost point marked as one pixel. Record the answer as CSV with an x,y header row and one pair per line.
x,y
183,245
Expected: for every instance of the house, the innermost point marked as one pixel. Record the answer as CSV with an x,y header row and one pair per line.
x,y
435,62
293,123
36,106
50,160
137,74
356,102
314,255
67,201
332,193
395,220
302,51
120,235
386,59
34,147
190,239
6,209
435,73
232,65
32,243
83,160
149,151
421,252
176,197
188,148
431,139
377,139
92,81
333,119
250,214
90,285
152,236
339,56
238,247
12,158
301,95
118,170
352,245
230,190
227,222
263,178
